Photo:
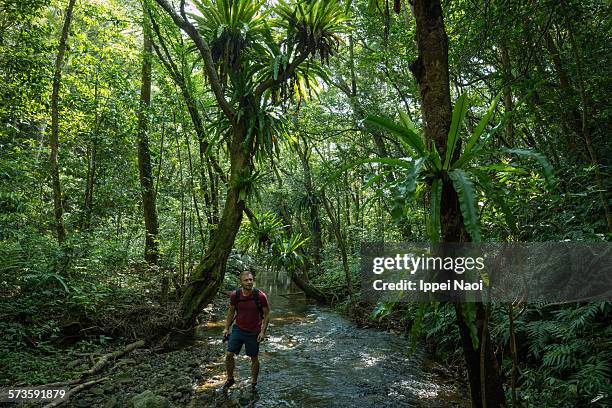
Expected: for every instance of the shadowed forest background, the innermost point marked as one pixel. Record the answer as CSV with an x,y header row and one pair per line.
x,y
151,150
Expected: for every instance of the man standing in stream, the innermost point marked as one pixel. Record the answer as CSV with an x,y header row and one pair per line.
x,y
252,312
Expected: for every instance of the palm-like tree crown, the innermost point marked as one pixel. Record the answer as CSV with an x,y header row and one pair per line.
x,y
254,43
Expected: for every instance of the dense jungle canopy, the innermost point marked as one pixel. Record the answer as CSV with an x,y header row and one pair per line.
x,y
151,150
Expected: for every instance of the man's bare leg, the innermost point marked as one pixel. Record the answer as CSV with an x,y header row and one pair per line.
x,y
230,363
254,369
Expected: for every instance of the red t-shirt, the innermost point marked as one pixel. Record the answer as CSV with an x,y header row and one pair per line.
x,y
248,315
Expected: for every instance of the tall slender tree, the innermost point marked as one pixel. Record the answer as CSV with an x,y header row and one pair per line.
x,y
144,158
54,137
432,75
312,202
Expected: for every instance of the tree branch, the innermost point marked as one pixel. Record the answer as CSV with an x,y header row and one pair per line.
x,y
343,86
165,57
204,49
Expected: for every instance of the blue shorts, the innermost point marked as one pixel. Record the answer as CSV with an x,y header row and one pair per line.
x,y
240,337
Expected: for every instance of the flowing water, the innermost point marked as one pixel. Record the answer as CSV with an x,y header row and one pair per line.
x,y
313,357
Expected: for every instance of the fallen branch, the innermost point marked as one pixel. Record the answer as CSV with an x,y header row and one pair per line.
x,y
59,384
104,360
73,391
107,358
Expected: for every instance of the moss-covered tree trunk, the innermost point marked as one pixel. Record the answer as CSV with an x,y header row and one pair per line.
x,y
309,290
431,72
208,275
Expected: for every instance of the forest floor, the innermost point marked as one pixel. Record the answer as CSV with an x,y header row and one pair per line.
x,y
165,378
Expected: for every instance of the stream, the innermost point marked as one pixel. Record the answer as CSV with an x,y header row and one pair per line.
x,y
313,357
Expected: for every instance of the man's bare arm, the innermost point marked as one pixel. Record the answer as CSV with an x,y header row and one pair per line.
x,y
228,320
264,324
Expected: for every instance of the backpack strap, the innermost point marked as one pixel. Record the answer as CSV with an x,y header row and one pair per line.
x,y
258,303
237,294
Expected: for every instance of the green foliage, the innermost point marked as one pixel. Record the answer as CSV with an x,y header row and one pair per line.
x,y
567,346
249,50
238,262
548,170
267,128
441,329
313,27
467,201
234,29
284,251
261,233
287,252
247,184
457,171
333,277
382,309
23,367
406,133
417,326
564,357
458,116
231,281
468,310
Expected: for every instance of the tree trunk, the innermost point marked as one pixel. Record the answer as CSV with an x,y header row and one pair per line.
x,y
58,208
183,218
144,160
214,191
431,72
513,352
299,278
204,183
92,149
183,82
579,118
347,200
309,290
161,158
193,190
571,121
508,103
208,275
359,114
313,205
89,187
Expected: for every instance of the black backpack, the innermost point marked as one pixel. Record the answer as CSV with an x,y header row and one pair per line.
x,y
255,298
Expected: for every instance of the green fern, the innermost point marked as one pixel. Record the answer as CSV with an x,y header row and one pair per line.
x,y
580,315
540,333
562,356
